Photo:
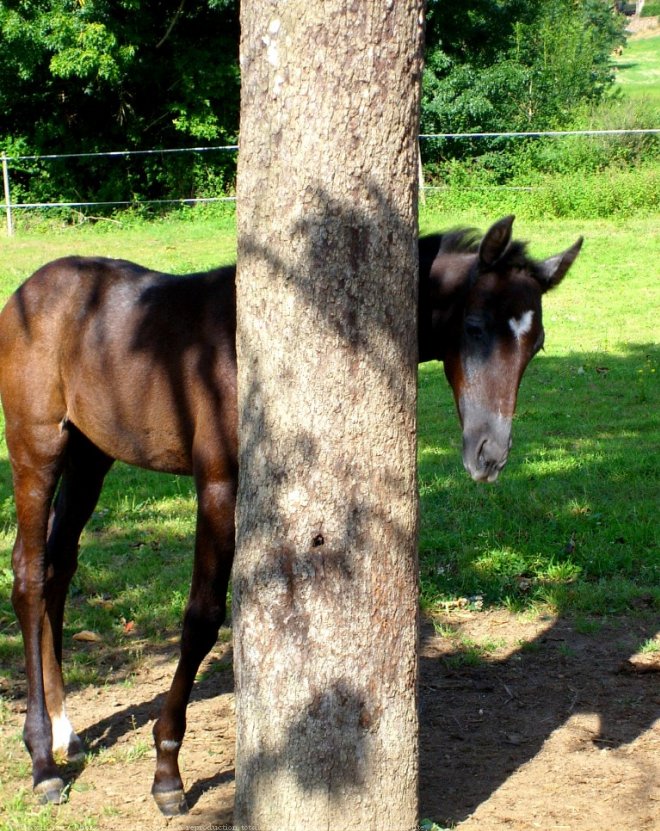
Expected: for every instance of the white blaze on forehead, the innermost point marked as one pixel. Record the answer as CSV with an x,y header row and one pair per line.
x,y
522,325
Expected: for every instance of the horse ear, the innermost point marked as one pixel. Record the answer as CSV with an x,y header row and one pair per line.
x,y
553,270
495,241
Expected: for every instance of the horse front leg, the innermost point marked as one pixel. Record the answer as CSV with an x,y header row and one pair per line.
x,y
205,612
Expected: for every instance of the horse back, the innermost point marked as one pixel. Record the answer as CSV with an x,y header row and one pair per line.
x,y
143,363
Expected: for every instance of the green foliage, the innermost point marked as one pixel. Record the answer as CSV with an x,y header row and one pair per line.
x,y
137,74
556,176
516,66
99,75
612,192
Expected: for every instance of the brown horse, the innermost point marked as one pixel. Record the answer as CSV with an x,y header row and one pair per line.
x,y
102,359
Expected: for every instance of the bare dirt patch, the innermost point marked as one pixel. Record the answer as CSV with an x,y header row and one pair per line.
x,y
643,27
560,732
525,724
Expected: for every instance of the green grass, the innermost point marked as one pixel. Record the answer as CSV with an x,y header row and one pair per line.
x,y
638,72
651,8
650,647
195,239
571,522
571,525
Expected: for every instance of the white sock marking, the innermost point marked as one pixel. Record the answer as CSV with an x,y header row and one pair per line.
x,y
63,732
521,326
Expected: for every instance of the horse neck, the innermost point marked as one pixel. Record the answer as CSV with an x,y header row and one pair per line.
x,y
443,285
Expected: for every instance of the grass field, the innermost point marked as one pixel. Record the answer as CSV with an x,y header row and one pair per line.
x,y
639,68
572,522
571,527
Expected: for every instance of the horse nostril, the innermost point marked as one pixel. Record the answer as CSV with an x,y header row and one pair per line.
x,y
480,450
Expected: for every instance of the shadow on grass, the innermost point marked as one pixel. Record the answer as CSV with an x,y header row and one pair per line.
x,y
572,520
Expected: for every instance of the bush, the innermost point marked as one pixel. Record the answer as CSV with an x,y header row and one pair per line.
x,y
579,175
612,192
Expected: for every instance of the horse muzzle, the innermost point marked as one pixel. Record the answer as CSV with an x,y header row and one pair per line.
x,y
486,445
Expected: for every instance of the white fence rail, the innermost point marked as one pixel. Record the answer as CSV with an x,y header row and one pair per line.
x,y
8,206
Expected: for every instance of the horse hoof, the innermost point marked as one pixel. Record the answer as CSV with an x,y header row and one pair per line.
x,y
76,753
50,791
171,803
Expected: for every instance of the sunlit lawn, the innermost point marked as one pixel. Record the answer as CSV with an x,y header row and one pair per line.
x,y
638,71
572,520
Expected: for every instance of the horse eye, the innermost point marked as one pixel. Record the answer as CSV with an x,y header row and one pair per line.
x,y
474,329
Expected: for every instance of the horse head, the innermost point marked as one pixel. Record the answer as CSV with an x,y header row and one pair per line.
x,y
482,318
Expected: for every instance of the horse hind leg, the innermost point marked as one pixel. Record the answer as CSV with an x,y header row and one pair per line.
x,y
205,612
36,456
85,467
44,560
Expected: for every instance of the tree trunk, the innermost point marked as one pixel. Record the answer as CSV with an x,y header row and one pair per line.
x,y
325,576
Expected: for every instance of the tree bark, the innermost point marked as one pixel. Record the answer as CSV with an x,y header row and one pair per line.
x,y
325,576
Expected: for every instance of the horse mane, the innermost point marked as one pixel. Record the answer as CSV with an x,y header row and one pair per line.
x,y
460,241
466,241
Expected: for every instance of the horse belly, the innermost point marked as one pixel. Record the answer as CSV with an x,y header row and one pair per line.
x,y
147,393
139,424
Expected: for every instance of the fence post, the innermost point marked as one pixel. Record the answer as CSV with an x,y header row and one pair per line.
x,y
5,182
420,174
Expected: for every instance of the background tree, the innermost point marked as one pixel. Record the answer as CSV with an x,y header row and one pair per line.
x,y
141,74
325,578
131,74
510,65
